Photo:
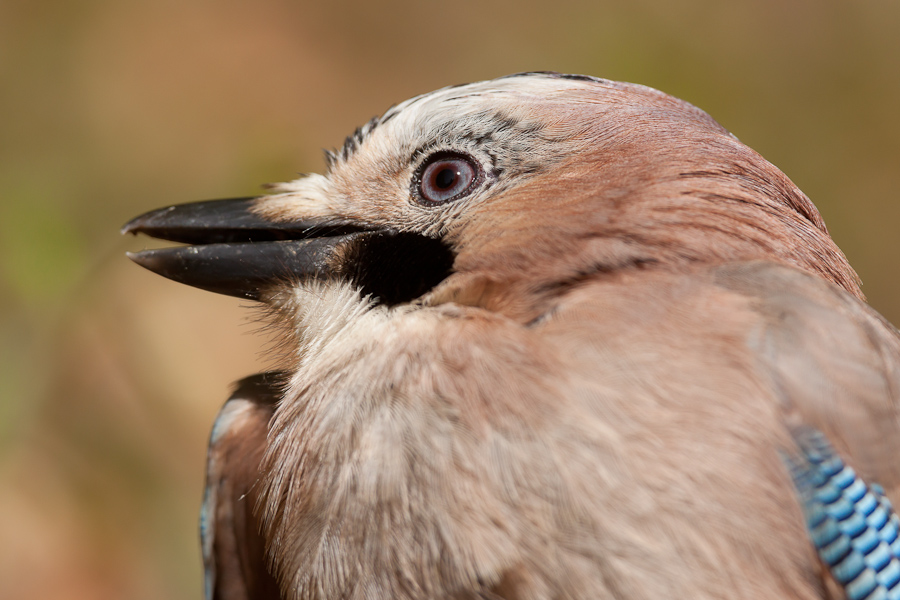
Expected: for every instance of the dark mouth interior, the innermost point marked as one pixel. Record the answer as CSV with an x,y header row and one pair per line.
x,y
399,267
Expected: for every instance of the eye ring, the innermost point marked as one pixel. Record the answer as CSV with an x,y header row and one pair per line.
x,y
445,177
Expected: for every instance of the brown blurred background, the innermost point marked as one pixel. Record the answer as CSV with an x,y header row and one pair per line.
x,y
110,377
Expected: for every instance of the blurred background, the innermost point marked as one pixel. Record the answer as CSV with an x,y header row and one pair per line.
x,y
110,377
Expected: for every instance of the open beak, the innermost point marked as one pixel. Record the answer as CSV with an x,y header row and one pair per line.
x,y
234,251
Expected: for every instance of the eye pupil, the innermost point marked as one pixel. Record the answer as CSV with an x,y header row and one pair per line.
x,y
445,178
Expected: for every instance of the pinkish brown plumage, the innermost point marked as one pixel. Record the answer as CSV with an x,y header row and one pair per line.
x,y
552,337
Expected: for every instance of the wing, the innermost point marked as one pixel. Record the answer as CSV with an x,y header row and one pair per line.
x,y
835,366
233,549
833,361
851,524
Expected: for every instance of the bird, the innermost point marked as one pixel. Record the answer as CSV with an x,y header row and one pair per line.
x,y
545,336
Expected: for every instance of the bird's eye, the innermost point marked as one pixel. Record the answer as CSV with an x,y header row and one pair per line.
x,y
444,177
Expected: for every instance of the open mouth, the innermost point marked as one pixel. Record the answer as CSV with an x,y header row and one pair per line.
x,y
231,250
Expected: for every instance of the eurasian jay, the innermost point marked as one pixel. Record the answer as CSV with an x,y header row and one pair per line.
x,y
546,336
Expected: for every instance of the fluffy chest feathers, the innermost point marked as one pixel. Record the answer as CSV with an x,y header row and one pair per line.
x,y
423,451
387,457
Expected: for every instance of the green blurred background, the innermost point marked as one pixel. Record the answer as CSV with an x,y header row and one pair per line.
x,y
110,377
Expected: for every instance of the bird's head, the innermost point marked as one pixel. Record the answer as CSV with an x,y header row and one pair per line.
x,y
502,194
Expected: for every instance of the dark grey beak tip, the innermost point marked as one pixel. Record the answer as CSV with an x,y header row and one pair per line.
x,y
144,221
133,226
147,259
